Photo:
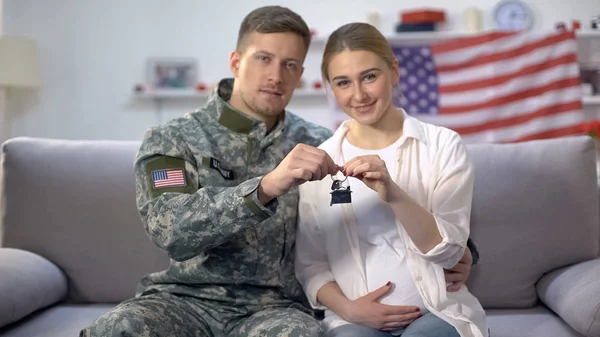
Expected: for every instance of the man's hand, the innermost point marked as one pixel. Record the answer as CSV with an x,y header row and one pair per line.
x,y
457,276
304,163
367,310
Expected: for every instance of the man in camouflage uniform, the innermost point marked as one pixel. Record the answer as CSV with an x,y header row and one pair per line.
x,y
217,190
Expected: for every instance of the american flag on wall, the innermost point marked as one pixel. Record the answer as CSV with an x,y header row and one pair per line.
x,y
494,87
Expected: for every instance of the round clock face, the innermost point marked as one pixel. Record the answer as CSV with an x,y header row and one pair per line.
x,y
513,15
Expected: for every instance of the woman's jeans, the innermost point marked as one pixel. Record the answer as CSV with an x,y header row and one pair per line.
x,y
426,326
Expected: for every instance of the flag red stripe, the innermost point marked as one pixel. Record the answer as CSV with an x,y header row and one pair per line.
x,y
467,42
170,180
497,101
169,183
516,120
493,81
555,133
505,55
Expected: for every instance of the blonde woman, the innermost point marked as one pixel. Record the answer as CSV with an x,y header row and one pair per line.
x,y
376,264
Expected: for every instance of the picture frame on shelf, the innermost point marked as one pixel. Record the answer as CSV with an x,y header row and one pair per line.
x,y
172,73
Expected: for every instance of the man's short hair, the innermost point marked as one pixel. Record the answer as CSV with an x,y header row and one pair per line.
x,y
273,19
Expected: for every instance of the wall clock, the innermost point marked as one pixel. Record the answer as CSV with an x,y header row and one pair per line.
x,y
513,15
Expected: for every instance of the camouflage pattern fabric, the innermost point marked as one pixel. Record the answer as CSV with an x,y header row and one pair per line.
x,y
164,314
196,184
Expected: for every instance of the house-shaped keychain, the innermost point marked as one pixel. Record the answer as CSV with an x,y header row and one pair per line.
x,y
340,194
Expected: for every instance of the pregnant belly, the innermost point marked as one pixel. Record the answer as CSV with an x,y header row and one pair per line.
x,y
383,268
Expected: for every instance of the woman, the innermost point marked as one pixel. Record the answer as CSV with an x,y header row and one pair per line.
x,y
376,264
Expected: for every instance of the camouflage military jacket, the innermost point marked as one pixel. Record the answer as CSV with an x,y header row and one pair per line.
x,y
196,185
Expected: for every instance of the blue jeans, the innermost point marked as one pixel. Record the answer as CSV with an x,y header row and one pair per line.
x,y
427,326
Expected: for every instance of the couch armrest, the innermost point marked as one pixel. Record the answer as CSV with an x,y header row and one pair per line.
x,y
573,293
28,282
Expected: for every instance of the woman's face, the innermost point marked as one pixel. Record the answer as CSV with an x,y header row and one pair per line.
x,y
362,84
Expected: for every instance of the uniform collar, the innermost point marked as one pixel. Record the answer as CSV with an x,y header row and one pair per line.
x,y
235,120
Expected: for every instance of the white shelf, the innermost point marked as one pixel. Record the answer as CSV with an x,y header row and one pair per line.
x,y
421,37
173,93
590,65
194,94
428,37
595,34
591,100
408,38
309,92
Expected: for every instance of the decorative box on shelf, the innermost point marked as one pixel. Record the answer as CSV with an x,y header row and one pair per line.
x,y
423,15
420,20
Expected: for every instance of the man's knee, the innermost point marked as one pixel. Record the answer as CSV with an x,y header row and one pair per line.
x,y
280,323
294,323
291,330
118,324
153,315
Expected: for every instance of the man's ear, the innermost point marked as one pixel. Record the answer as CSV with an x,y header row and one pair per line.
x,y
234,62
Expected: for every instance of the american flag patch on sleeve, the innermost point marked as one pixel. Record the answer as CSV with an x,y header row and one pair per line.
x,y
168,178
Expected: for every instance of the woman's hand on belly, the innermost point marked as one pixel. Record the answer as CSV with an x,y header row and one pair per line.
x,y
368,311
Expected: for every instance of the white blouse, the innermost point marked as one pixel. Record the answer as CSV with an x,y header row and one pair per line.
x,y
432,166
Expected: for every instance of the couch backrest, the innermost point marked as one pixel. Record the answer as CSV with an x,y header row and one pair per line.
x,y
73,202
535,208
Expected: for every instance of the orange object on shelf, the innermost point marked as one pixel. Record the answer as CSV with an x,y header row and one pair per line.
x,y
422,16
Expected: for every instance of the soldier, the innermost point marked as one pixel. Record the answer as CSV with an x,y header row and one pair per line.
x,y
217,190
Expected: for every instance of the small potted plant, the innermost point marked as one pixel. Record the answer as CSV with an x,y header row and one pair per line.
x,y
592,129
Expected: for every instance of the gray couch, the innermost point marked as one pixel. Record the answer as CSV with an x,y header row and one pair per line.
x,y
73,245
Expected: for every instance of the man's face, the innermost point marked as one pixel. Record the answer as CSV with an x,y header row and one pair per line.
x,y
266,72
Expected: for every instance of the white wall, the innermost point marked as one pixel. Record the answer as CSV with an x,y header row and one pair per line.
x,y
94,51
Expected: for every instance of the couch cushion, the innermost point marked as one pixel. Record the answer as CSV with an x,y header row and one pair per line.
x,y
28,282
73,202
536,322
64,320
535,209
68,320
573,292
